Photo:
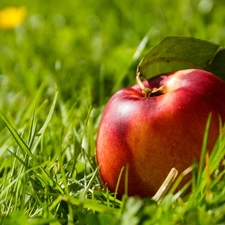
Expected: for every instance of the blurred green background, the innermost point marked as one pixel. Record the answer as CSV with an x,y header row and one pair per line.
x,y
89,46
89,49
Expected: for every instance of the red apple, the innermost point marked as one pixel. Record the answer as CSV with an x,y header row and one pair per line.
x,y
153,134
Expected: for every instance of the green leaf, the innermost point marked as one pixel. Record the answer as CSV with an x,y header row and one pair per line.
x,y
177,53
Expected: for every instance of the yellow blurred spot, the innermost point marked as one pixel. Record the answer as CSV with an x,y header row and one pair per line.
x,y
12,17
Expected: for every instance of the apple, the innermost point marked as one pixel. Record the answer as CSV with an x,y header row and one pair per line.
x,y
156,125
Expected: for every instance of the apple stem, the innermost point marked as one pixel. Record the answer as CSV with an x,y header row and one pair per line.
x,y
148,92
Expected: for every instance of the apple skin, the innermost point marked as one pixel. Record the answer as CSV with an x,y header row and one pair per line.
x,y
154,134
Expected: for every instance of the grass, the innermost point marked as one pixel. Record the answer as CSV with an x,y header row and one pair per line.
x,y
57,71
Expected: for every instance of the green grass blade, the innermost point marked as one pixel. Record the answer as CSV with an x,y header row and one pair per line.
x,y
11,184
18,139
204,149
91,181
33,130
43,128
